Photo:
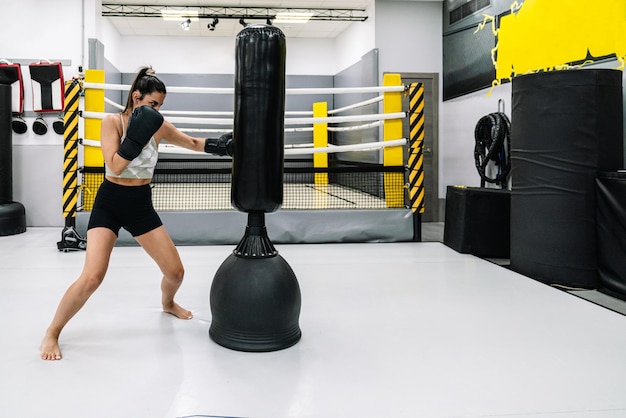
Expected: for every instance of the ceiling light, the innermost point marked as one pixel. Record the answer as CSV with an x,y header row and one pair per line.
x,y
242,22
293,17
212,25
178,14
185,24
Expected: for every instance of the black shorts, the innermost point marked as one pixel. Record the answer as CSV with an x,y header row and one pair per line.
x,y
128,207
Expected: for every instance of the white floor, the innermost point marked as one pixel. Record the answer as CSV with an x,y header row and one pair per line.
x,y
389,330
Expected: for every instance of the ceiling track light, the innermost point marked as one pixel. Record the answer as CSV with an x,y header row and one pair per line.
x,y
243,22
213,24
185,24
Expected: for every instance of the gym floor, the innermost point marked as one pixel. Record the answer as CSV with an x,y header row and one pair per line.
x,y
389,330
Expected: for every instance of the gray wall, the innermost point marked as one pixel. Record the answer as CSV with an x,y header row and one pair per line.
x,y
363,73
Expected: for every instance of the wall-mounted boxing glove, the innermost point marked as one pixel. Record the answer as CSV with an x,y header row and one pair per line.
x,y
220,146
143,123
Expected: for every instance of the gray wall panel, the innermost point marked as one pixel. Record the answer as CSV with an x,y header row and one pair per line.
x,y
362,74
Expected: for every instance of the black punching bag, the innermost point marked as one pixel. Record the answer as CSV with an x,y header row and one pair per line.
x,y
12,214
566,127
255,296
259,119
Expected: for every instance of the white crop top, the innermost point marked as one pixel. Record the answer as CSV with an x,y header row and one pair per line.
x,y
142,167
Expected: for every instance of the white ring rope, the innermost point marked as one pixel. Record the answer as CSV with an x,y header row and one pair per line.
x,y
353,128
291,130
346,90
219,90
126,87
288,121
377,118
356,105
205,130
114,104
289,150
196,113
230,113
203,113
198,121
366,146
351,118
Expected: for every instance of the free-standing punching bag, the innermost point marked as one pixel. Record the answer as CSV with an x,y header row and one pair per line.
x,y
12,214
255,296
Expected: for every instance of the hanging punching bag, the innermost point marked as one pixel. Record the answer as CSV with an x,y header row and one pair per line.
x,y
255,296
12,214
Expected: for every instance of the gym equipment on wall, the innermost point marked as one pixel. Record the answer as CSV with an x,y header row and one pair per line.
x,y
477,219
568,125
493,144
12,214
48,93
11,74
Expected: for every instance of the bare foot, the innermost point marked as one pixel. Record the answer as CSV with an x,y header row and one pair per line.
x,y
177,311
50,348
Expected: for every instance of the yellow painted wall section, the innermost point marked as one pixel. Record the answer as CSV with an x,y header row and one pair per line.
x,y
549,34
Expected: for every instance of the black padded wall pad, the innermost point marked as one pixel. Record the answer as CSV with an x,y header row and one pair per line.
x,y
566,126
611,227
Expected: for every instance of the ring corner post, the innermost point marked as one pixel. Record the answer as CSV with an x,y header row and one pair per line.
x,y
70,238
416,156
392,156
93,159
320,140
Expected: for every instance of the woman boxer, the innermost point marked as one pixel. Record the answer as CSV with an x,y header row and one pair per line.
x,y
129,143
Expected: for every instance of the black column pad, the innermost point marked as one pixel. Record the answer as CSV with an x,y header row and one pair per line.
x,y
611,224
566,126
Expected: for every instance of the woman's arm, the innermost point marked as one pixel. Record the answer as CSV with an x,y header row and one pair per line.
x,y
110,138
174,136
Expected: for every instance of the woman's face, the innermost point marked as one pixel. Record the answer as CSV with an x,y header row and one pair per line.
x,y
154,100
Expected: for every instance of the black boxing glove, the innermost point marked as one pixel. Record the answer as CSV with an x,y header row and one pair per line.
x,y
143,123
220,146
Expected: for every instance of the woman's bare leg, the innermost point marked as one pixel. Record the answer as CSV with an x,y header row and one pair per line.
x,y
100,242
160,247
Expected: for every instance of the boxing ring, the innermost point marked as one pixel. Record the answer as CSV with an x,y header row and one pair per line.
x,y
329,194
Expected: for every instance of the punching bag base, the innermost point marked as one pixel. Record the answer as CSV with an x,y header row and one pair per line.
x,y
12,218
255,304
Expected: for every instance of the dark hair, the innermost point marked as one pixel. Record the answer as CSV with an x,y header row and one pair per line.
x,y
146,82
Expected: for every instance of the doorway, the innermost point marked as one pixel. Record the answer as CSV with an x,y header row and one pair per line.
x,y
432,210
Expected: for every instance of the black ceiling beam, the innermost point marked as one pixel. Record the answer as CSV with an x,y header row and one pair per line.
x,y
209,12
